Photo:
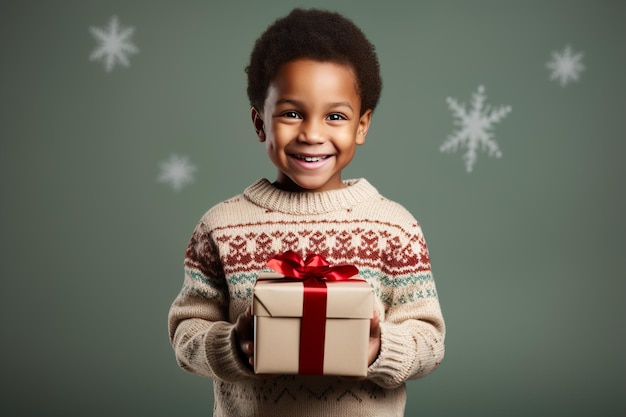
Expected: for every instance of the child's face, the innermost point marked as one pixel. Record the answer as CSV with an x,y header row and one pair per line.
x,y
311,125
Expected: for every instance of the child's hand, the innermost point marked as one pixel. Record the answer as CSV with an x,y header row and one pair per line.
x,y
244,333
374,346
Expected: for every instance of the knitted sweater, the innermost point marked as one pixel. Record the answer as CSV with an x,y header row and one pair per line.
x,y
356,225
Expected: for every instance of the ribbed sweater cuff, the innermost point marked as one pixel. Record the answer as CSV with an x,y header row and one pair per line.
x,y
222,354
390,369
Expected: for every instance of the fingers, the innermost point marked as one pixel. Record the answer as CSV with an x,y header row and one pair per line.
x,y
244,333
375,325
374,342
247,348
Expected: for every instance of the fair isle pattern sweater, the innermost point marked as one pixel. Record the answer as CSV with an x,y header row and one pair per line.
x,y
356,225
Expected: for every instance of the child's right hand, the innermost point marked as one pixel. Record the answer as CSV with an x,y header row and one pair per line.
x,y
245,335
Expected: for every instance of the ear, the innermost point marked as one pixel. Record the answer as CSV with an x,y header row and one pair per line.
x,y
364,125
257,121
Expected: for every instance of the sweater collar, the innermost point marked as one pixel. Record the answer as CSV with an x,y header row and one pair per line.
x,y
266,195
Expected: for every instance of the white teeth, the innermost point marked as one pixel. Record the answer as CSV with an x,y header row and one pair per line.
x,y
310,158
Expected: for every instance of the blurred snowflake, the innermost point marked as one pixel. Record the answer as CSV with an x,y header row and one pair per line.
x,y
474,128
566,66
177,171
114,44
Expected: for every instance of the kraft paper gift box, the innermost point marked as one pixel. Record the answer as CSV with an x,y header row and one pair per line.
x,y
338,347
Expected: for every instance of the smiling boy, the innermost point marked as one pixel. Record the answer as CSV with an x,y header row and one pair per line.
x,y
311,123
313,84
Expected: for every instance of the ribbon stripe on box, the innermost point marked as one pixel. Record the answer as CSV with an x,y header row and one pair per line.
x,y
313,330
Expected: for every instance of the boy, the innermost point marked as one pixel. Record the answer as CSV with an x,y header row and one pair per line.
x,y
313,83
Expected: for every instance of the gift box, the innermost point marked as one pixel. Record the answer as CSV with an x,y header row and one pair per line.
x,y
309,323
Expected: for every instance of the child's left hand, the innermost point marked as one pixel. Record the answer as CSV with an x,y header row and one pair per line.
x,y
374,345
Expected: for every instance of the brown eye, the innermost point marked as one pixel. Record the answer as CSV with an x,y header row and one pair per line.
x,y
336,116
291,115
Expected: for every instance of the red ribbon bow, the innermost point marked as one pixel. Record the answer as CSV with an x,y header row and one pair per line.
x,y
291,264
314,271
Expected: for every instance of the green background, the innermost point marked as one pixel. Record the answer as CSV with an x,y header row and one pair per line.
x,y
528,250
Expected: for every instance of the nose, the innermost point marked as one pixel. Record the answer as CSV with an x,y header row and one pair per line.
x,y
312,132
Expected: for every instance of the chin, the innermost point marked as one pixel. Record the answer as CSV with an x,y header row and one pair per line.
x,y
314,186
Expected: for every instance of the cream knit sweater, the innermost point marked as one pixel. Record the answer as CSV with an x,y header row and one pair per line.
x,y
355,225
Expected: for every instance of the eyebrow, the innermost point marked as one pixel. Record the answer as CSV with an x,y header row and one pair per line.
x,y
300,104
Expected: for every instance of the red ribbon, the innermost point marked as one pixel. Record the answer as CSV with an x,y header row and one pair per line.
x,y
291,264
314,271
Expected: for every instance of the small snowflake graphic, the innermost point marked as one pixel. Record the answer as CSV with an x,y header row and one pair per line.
x,y
566,66
177,171
475,128
114,44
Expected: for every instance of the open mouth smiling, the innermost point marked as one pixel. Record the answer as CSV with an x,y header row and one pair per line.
x,y
307,158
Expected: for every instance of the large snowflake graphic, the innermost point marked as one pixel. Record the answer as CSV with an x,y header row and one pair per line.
x,y
475,128
177,171
114,44
566,66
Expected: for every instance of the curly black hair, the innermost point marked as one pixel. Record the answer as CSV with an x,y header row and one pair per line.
x,y
320,35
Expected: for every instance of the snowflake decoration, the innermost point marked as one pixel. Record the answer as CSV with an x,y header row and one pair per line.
x,y
114,44
566,66
474,128
177,171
